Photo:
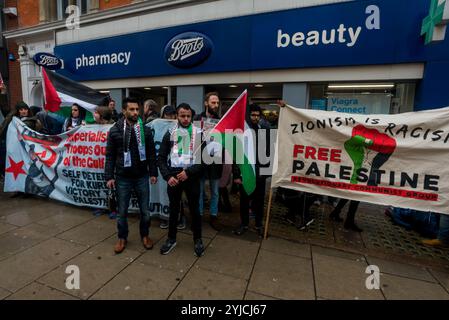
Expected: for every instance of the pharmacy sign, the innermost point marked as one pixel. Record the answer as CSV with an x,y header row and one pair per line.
x,y
434,25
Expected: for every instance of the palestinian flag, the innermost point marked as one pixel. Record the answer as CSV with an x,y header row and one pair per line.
x,y
233,127
61,92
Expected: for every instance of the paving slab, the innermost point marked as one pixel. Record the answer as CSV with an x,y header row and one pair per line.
x,y
36,291
65,221
200,284
287,247
10,205
337,253
401,269
399,288
240,256
140,282
4,293
98,265
27,215
5,227
179,260
341,278
26,266
442,277
90,233
282,276
256,296
23,238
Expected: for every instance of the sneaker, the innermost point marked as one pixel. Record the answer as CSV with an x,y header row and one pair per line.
x,y
199,248
182,224
168,246
163,224
304,225
240,230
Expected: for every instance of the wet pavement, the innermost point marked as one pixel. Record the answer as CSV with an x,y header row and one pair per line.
x,y
39,238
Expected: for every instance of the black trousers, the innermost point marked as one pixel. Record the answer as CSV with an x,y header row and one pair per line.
x,y
257,199
192,189
353,205
299,203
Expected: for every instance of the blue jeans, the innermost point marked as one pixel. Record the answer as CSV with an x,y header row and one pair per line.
x,y
141,187
214,187
443,233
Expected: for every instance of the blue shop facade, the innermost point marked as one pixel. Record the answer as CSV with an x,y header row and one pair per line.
x,y
376,56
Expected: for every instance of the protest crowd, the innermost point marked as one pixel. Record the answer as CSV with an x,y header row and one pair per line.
x,y
132,164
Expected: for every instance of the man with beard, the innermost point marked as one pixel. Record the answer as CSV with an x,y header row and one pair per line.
x,y
212,172
180,165
130,160
255,200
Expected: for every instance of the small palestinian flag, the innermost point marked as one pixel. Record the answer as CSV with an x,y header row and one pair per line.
x,y
61,92
233,125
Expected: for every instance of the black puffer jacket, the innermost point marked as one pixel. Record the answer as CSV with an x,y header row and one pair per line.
x,y
167,171
114,154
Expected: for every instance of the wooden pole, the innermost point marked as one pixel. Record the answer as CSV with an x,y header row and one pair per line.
x,y
268,214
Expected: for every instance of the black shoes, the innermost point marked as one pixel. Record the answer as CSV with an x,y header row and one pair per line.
x,y
199,248
240,230
168,246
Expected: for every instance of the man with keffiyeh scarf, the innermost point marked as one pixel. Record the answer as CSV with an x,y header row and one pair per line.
x,y
180,164
130,161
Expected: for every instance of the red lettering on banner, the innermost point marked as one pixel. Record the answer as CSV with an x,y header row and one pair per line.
x,y
425,196
324,154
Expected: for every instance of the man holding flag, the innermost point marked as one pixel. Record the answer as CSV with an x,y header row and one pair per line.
x,y
234,127
256,198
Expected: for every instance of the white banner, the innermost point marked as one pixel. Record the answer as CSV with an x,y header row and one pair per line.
x,y
159,202
397,160
70,167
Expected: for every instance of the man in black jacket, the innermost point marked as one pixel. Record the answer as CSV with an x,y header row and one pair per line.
x,y
256,200
130,160
180,164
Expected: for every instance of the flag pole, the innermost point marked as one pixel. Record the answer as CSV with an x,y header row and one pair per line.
x,y
268,214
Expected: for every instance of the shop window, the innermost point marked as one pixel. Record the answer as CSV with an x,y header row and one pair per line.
x,y
363,98
53,10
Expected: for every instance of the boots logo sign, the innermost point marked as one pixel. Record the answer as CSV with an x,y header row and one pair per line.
x,y
47,61
188,49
